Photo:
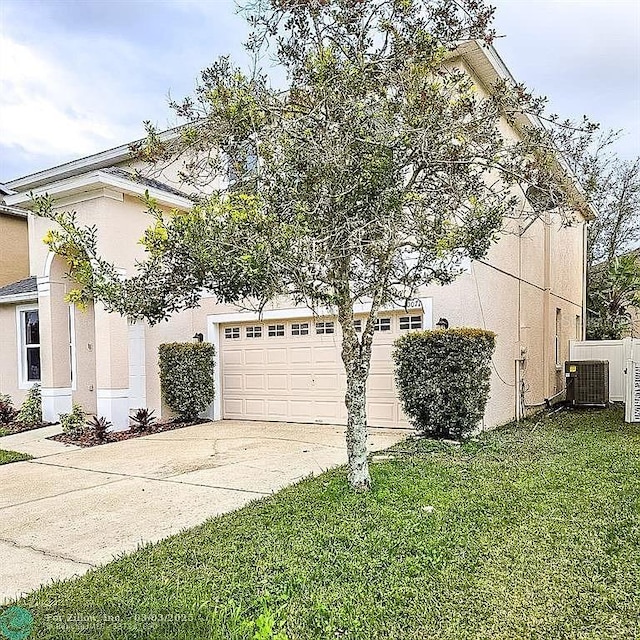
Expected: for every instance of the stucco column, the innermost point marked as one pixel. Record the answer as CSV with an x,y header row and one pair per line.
x,y
55,361
112,367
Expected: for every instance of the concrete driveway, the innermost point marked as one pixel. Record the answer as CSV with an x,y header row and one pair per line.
x,y
71,509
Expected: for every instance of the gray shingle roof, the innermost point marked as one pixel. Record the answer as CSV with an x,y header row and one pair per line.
x,y
147,182
28,285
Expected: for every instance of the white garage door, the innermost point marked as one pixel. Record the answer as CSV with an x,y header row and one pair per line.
x,y
291,370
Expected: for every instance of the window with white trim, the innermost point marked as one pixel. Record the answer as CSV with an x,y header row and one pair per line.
x,y
254,332
357,325
325,328
30,345
275,331
300,329
408,323
232,333
72,347
382,324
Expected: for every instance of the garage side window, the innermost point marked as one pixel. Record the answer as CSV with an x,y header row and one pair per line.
x,y
357,325
232,333
382,324
30,345
275,331
410,322
325,328
300,329
254,332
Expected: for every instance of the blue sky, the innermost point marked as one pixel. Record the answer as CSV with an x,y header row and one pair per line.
x,y
78,77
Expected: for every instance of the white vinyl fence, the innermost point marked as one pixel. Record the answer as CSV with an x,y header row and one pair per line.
x,y
624,361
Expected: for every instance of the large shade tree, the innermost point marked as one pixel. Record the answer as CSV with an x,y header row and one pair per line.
x,y
377,170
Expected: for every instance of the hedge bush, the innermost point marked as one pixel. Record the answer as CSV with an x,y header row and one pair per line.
x,y
443,378
186,377
31,410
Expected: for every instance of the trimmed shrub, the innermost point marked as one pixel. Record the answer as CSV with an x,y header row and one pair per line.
x,y
186,377
73,423
7,411
443,378
30,412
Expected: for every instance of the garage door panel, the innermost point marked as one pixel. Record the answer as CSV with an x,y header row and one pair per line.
x,y
324,382
254,356
277,382
300,355
255,407
276,355
254,382
301,382
381,382
231,357
303,408
276,409
326,355
232,382
301,378
233,408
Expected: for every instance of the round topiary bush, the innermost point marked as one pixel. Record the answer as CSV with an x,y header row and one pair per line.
x,y
186,377
443,378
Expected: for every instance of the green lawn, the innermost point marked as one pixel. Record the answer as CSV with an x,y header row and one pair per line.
x,y
534,533
12,456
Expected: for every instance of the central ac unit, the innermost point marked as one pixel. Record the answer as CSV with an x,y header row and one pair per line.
x,y
587,382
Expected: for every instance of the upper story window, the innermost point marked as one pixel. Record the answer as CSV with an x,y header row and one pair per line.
x,y
275,331
232,333
410,322
325,327
382,324
357,325
300,329
254,332
30,345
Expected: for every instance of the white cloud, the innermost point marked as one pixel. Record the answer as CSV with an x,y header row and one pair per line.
x,y
43,108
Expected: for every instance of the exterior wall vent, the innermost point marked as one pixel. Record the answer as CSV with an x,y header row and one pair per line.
x,y
587,382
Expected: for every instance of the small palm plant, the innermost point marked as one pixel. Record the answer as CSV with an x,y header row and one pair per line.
x,y
99,428
143,419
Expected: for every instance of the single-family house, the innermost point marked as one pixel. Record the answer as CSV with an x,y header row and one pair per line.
x,y
283,365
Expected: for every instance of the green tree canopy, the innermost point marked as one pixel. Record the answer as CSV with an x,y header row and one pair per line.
x,y
379,169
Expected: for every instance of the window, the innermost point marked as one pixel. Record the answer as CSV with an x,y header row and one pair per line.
x,y
558,341
275,331
410,322
357,324
300,329
382,324
324,328
30,346
254,332
578,328
232,333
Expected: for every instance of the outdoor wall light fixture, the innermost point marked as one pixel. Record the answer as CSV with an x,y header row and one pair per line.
x,y
443,323
199,337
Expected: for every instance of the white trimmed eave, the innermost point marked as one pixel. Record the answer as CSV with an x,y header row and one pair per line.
x,y
18,298
88,182
489,67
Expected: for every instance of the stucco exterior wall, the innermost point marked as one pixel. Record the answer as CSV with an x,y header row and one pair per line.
x,y
9,354
14,255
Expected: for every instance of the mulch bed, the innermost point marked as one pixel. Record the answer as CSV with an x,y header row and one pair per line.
x,y
18,427
88,439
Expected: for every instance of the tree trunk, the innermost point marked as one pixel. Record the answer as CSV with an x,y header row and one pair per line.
x,y
356,357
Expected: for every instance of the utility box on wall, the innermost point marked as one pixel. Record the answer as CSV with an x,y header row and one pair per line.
x,y
587,382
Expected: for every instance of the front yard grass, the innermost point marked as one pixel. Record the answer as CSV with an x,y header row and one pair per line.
x,y
531,532
12,456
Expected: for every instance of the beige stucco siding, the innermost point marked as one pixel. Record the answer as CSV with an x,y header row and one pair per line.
x,y
9,354
14,253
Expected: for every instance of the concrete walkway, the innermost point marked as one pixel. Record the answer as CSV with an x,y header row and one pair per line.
x,y
71,509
